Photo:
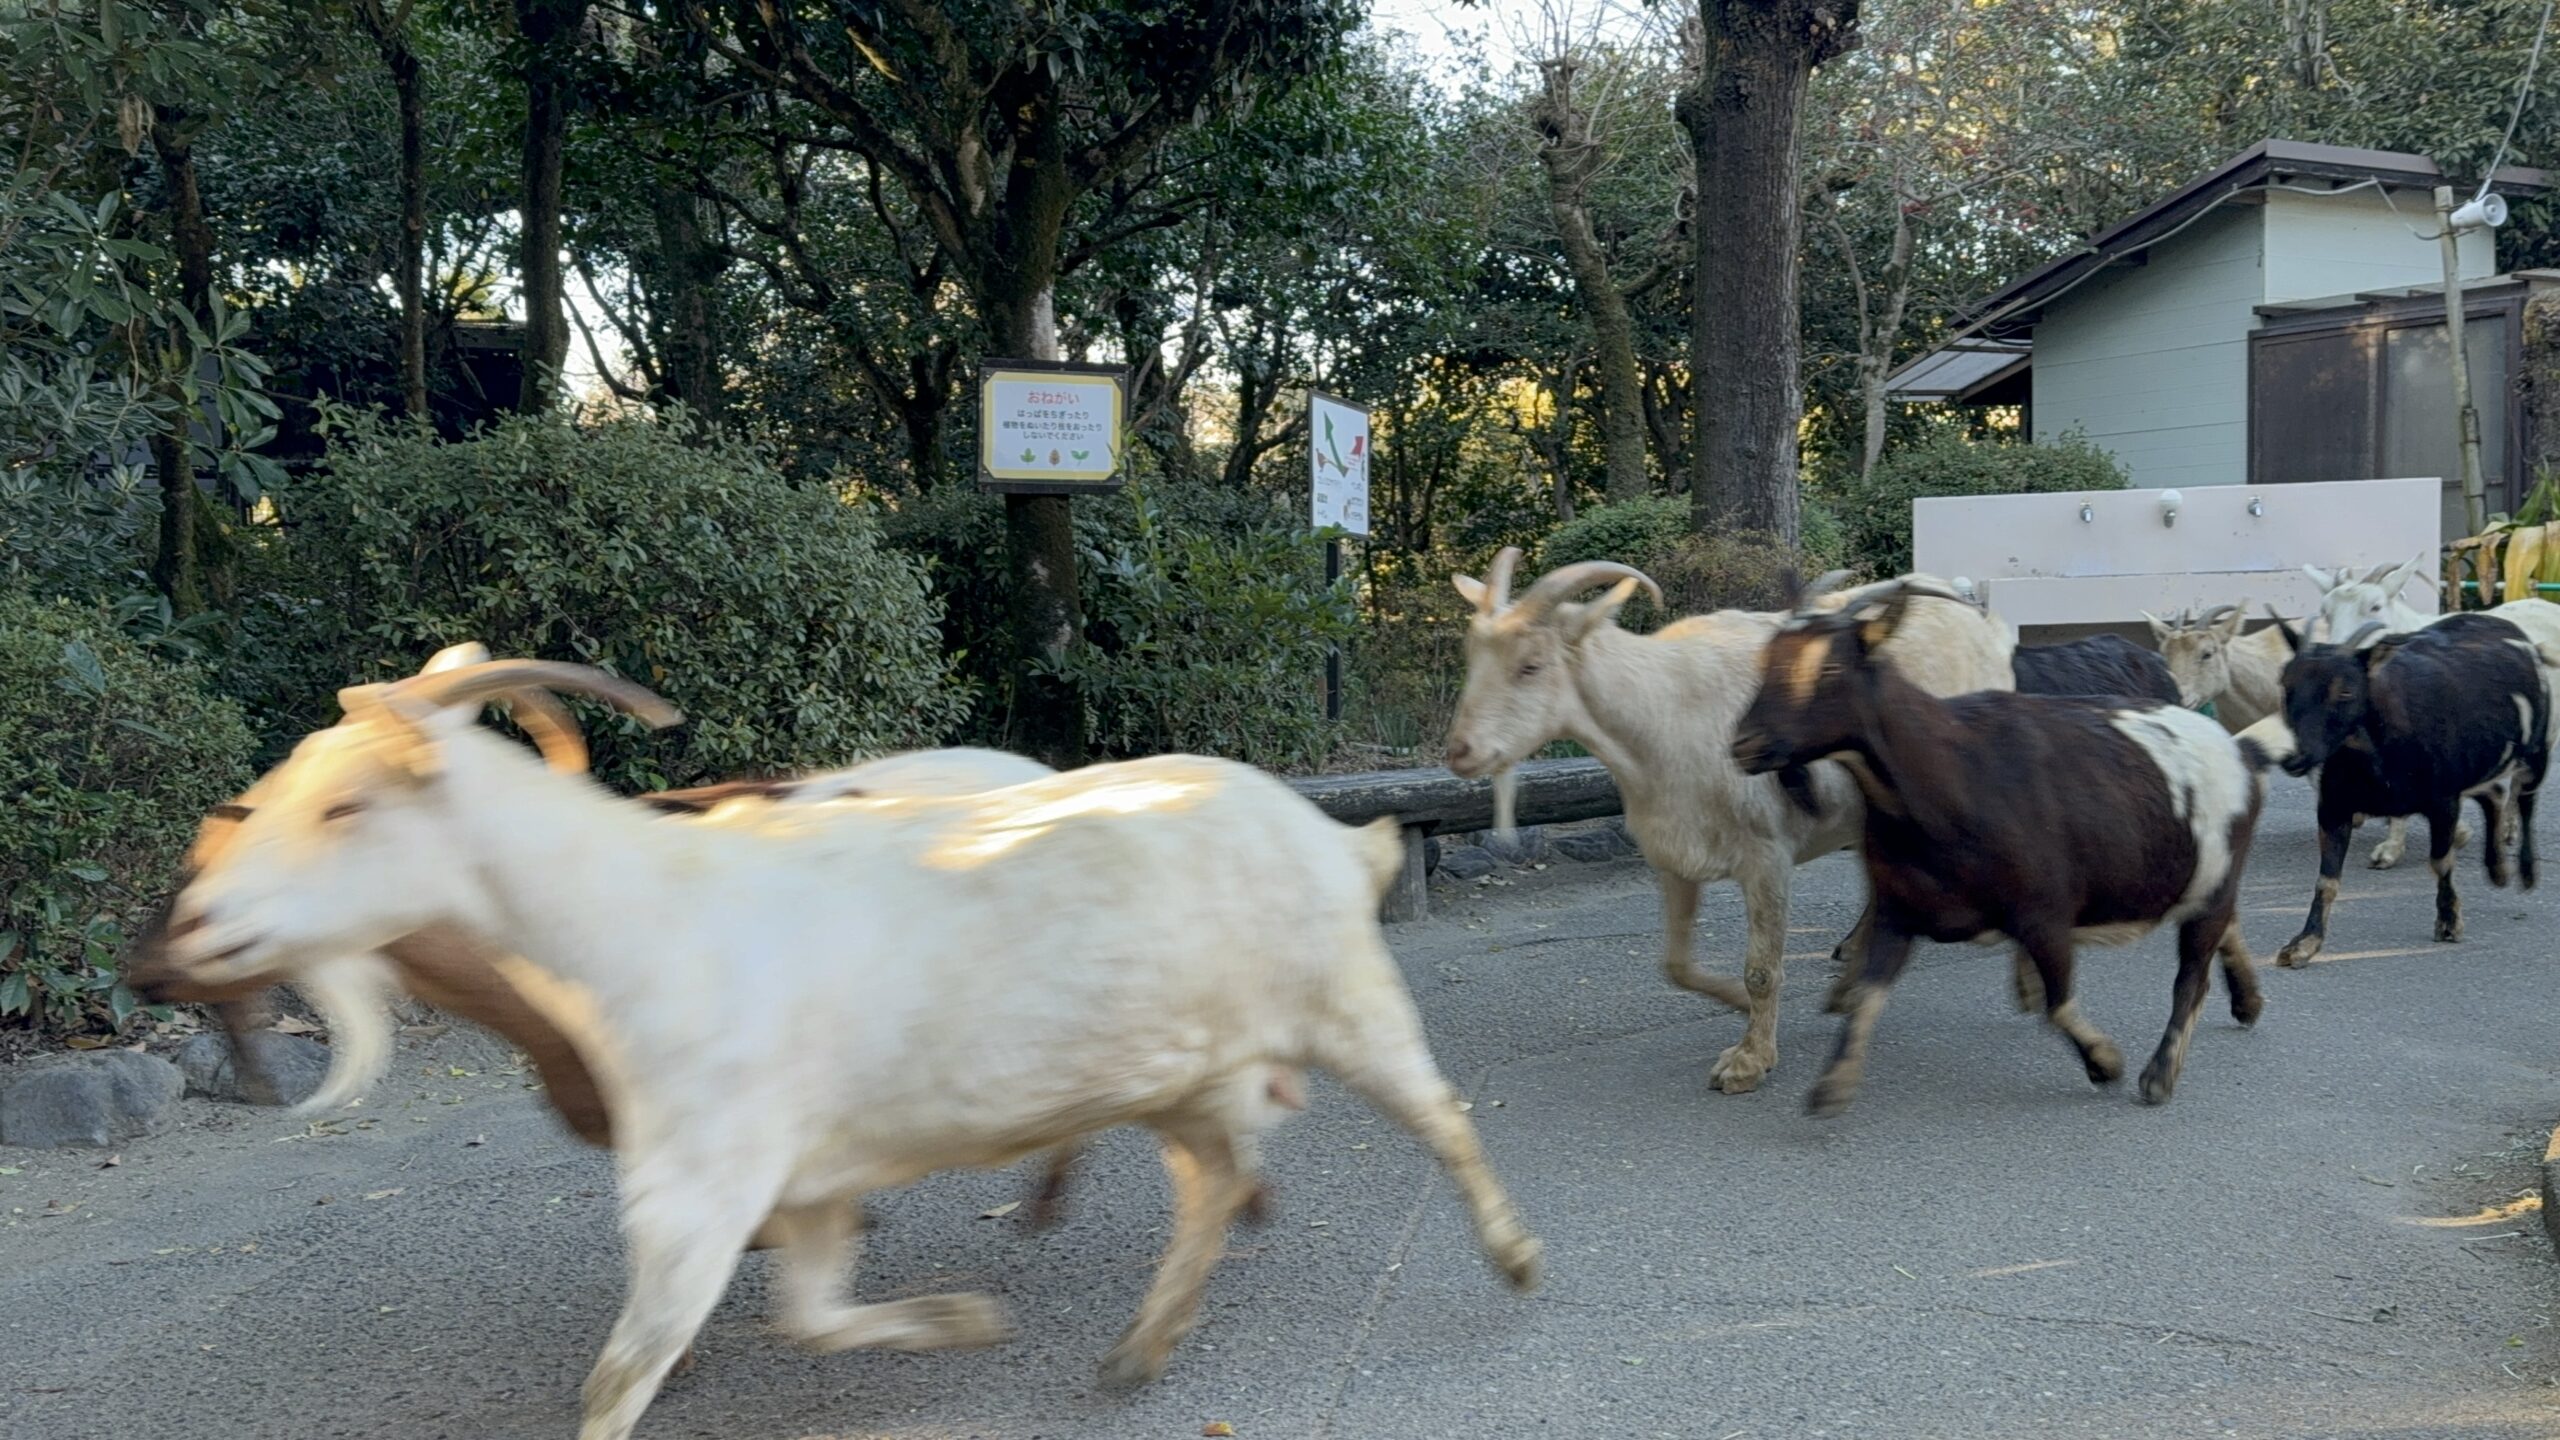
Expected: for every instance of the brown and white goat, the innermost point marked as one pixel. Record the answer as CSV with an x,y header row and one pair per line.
x,y
2049,820
1658,709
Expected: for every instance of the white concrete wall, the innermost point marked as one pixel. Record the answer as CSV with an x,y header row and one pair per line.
x,y
2152,362
2036,562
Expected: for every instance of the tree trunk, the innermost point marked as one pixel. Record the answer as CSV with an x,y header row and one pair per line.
x,y
408,274
689,268
549,30
1744,342
1880,333
1570,154
178,566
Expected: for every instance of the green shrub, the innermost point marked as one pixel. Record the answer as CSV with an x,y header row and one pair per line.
x,y
1697,573
108,759
1206,616
773,615
1876,512
1210,642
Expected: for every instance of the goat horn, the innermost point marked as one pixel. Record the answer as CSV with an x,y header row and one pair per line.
x,y
2375,574
1822,585
1573,579
1497,581
2216,613
2356,641
493,679
555,732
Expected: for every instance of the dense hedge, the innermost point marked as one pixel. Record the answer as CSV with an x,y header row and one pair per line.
x,y
1876,512
109,757
1698,573
1206,610
771,613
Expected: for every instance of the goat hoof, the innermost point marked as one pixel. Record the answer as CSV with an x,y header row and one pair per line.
x,y
1829,1097
2247,1006
2298,952
1131,1364
1738,1071
2104,1062
2157,1086
2449,931
1518,1260
2381,859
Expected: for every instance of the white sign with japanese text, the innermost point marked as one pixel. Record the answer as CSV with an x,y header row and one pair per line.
x,y
1043,429
1338,463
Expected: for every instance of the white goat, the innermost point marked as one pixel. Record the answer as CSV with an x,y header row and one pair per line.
x,y
2240,676
794,1010
1659,711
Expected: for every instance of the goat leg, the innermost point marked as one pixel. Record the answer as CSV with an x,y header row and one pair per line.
x,y
2198,939
2298,951
1888,947
2440,842
242,1019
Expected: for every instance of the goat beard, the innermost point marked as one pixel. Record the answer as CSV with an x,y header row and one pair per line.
x,y
353,996
1506,804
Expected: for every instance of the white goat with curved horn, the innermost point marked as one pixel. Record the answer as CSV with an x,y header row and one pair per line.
x,y
1659,711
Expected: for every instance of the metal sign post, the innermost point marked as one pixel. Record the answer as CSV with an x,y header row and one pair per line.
x,y
1338,495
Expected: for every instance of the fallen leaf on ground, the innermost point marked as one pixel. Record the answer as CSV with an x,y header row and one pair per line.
x,y
87,1042
1000,1211
475,1140
1217,1427
111,1162
384,1194
292,1025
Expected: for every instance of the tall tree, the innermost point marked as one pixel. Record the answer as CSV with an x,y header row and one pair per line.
x,y
1754,59
388,25
1570,151
998,119
547,35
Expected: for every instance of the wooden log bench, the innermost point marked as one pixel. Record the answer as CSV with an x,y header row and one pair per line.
x,y
1430,801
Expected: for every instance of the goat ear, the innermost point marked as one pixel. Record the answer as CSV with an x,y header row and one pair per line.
x,y
2230,624
2399,578
2292,641
1591,616
1473,591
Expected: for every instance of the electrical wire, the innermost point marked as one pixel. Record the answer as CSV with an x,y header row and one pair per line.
x,y
2524,89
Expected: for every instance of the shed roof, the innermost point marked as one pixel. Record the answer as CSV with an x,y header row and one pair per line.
x,y
2006,314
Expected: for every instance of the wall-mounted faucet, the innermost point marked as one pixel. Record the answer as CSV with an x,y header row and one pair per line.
x,y
2169,506
2087,515
2257,506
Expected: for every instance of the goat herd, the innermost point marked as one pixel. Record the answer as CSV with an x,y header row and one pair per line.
x,y
772,998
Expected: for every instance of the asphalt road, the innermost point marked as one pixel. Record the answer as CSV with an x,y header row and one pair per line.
x,y
2317,1238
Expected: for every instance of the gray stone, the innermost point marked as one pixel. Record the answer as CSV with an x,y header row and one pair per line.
x,y
96,1100
57,1106
1601,842
1465,862
1528,847
295,1066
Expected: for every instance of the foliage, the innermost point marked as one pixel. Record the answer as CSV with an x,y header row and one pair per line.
x,y
1210,641
108,759
1206,608
1876,512
770,613
1697,573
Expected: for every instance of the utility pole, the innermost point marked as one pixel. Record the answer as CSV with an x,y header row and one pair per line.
x,y
2466,419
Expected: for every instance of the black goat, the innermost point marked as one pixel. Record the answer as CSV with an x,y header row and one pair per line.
x,y
2047,819
2098,665
2409,726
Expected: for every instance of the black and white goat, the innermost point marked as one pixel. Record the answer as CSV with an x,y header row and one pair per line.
x,y
2098,665
2046,819
2409,725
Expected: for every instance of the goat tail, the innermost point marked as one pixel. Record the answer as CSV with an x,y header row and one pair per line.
x,y
1382,851
353,996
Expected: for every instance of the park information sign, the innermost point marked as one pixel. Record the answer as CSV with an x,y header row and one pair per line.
x,y
1338,456
1048,427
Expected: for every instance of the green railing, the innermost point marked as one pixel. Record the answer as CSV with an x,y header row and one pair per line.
x,y
2472,587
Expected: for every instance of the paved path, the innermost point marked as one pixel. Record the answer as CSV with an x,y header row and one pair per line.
x,y
2308,1242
